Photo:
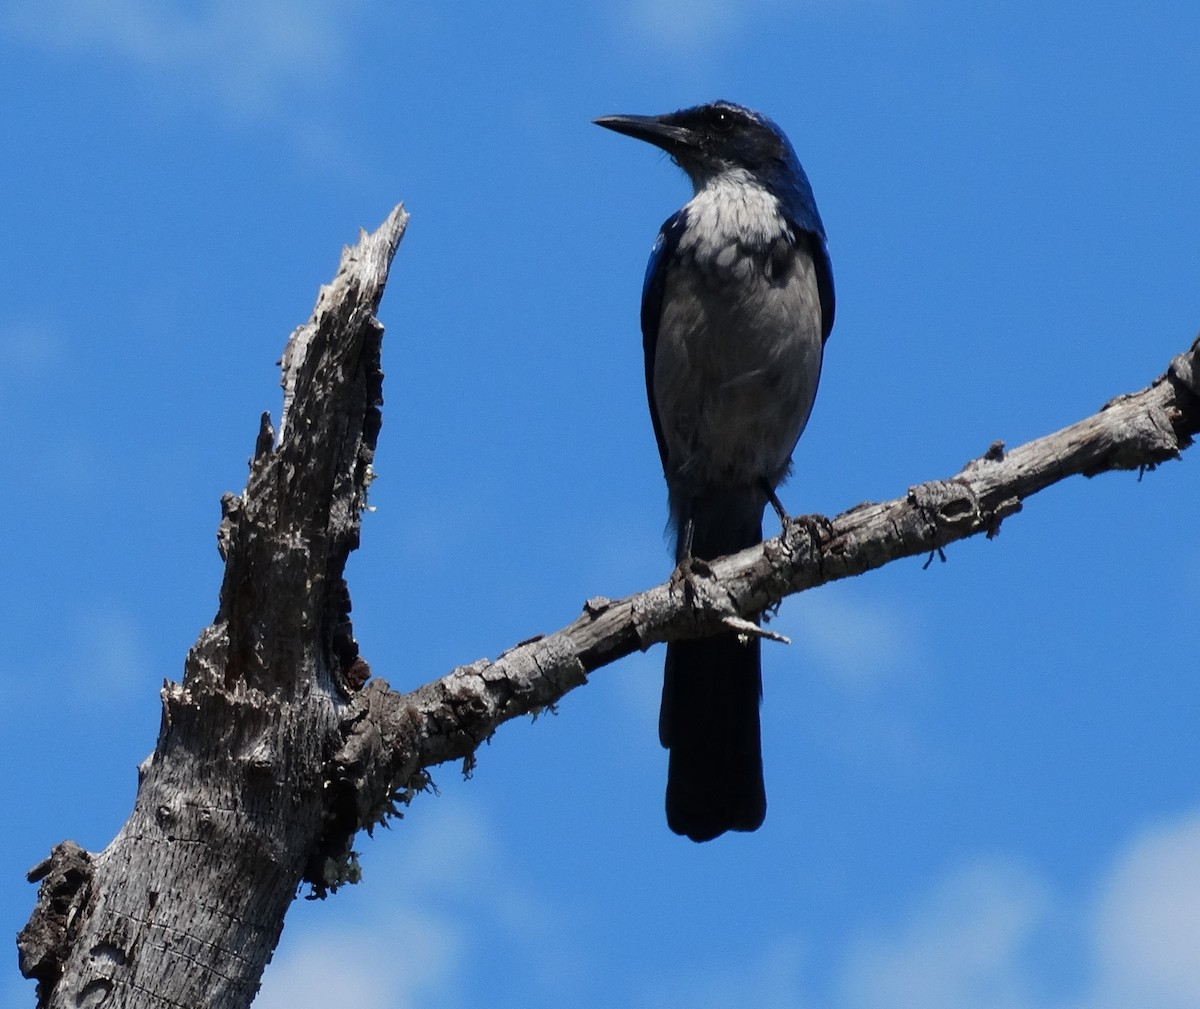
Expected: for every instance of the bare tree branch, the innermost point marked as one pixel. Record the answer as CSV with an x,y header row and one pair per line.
x,y
392,737
272,755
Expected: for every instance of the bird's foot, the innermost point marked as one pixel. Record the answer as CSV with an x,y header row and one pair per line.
x,y
693,577
818,527
811,548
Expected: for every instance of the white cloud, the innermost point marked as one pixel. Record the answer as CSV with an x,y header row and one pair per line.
x,y
435,890
959,949
251,55
392,969
973,941
452,851
962,946
968,945
404,929
859,640
1147,923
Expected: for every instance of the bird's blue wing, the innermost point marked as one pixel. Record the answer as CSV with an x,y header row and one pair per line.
x,y
824,268
652,298
800,211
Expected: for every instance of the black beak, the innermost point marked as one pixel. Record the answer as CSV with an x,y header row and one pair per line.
x,y
654,130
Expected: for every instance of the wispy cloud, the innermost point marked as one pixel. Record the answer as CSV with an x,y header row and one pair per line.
x,y
426,902
975,940
971,944
859,640
251,56
367,969
960,948
455,854
1147,923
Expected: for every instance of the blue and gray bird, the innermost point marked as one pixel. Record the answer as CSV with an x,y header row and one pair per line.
x,y
736,307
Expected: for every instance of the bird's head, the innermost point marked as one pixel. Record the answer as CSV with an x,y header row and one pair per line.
x,y
708,140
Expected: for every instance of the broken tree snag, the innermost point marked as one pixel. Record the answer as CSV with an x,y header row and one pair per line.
x,y
186,904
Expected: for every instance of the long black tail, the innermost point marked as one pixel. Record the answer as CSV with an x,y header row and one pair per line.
x,y
712,688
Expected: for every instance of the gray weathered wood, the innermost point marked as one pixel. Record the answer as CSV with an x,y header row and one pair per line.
x,y
186,904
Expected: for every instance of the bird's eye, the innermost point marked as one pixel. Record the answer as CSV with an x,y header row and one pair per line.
x,y
721,120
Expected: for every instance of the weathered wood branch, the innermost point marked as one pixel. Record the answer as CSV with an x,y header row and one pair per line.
x,y
271,754
186,904
391,738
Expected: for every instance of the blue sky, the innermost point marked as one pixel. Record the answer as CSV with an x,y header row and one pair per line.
x,y
981,776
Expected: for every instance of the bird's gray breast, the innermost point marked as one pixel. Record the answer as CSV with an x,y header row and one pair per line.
x,y
738,354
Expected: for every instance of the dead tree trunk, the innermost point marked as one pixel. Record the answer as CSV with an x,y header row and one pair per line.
x,y
186,904
272,755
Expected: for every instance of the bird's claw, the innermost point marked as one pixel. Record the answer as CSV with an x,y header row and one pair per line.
x,y
818,527
689,577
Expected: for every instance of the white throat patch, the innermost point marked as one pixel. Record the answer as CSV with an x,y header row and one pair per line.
x,y
731,207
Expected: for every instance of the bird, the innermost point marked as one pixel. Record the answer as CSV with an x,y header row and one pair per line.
x,y
737,304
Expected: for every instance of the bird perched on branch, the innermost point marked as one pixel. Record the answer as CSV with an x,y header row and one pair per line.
x,y
736,307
